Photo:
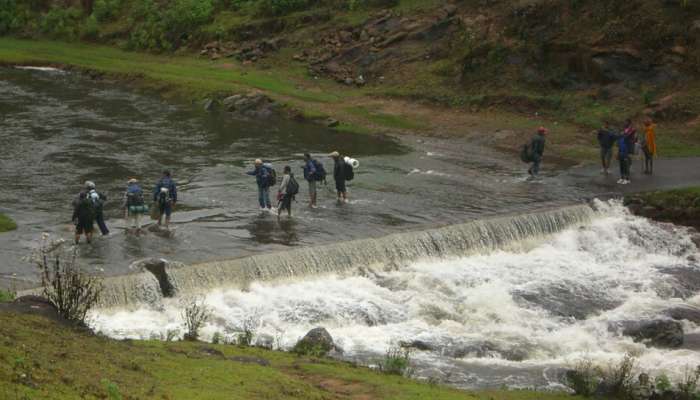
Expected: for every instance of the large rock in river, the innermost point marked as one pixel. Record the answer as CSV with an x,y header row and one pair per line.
x,y
664,333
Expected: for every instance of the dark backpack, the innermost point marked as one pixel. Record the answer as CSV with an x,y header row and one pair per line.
x,y
349,171
271,175
526,153
292,186
320,175
134,196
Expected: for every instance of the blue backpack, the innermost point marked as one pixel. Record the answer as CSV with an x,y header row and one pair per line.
x,y
320,175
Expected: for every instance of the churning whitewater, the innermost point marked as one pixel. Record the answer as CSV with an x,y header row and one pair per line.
x,y
512,316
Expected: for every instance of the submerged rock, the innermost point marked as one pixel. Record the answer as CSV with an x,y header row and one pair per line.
x,y
317,342
684,312
567,299
665,333
684,282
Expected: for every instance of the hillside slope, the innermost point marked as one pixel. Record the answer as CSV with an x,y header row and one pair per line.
x,y
435,67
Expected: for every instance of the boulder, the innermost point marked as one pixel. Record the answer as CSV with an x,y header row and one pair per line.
x,y
685,280
684,312
567,299
317,342
418,345
332,123
665,333
159,268
230,101
210,104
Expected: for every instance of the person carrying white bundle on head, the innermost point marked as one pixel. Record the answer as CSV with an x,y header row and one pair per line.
x,y
343,171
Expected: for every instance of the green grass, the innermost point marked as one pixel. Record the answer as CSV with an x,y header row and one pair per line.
x,y
42,359
665,199
386,120
184,75
6,296
6,223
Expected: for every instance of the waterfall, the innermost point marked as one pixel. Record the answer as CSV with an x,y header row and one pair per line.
x,y
389,252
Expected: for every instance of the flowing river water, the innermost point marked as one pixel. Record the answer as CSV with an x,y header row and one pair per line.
x,y
497,280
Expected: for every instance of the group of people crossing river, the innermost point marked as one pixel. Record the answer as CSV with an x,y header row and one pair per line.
x,y
89,203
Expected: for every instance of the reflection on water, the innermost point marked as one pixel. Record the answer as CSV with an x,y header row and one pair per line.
x,y
60,129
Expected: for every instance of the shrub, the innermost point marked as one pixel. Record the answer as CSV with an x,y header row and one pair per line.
x,y
271,8
7,295
688,386
104,10
195,315
584,378
158,29
618,380
61,22
64,284
397,361
90,29
8,10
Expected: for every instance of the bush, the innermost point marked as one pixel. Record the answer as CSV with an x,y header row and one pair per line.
x,y
104,10
90,29
7,295
61,22
584,378
195,315
397,361
158,29
8,11
72,291
278,8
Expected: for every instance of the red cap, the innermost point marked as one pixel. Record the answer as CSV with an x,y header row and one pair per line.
x,y
542,129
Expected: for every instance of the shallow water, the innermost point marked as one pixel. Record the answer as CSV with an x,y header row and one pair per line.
x,y
60,129
514,318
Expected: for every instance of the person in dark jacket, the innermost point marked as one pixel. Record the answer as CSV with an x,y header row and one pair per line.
x,y
98,199
165,197
311,176
263,178
83,217
339,176
606,140
537,146
623,156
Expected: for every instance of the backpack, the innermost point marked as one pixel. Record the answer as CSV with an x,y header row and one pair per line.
x,y
271,174
320,171
349,171
134,196
95,199
526,153
292,186
164,196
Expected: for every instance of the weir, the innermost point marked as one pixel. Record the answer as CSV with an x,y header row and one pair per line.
x,y
389,252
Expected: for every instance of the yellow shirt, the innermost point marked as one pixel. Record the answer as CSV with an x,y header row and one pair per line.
x,y
651,139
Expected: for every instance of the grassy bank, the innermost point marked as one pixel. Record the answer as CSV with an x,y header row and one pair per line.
x,y
678,206
42,359
680,198
6,223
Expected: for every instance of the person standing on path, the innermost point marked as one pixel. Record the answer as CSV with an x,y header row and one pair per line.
x,y
314,173
339,176
288,189
83,217
606,140
629,132
263,177
165,196
537,151
649,146
623,155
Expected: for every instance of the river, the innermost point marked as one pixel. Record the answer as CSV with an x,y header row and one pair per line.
x,y
445,244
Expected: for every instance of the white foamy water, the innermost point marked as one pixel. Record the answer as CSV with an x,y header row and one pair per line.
x,y
513,318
